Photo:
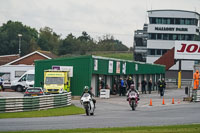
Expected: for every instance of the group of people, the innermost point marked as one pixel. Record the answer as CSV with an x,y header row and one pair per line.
x,y
124,85
161,84
149,84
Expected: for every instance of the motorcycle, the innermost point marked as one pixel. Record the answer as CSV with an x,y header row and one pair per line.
x,y
133,99
88,104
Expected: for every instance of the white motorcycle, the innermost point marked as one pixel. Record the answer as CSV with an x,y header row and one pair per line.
x,y
133,99
88,104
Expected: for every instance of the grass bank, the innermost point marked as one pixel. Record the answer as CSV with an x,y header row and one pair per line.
x,y
193,128
70,110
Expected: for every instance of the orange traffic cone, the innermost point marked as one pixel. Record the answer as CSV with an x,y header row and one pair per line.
x,y
172,100
163,102
150,102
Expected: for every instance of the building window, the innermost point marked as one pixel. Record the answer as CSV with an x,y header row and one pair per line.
x,y
165,37
158,20
170,36
175,37
178,21
182,21
165,21
182,37
152,52
164,51
171,21
159,36
158,52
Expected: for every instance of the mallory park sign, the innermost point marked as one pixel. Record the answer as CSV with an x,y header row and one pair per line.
x,y
189,50
170,29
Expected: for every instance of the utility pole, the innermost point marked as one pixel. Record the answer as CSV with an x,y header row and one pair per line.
x,y
20,36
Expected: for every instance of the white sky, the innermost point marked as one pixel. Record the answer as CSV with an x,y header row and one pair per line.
x,y
119,18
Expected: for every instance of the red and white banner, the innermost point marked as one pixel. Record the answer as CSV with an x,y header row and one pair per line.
x,y
189,50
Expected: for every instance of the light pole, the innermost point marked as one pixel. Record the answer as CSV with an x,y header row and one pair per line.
x,y
20,36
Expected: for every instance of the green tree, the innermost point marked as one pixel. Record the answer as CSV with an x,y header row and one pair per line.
x,y
86,43
108,43
69,45
49,40
9,40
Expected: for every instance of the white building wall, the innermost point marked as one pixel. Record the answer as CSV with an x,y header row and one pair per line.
x,y
160,44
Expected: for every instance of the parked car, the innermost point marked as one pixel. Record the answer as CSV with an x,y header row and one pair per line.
x,y
34,91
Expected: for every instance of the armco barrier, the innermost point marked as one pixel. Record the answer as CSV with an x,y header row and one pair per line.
x,y
20,104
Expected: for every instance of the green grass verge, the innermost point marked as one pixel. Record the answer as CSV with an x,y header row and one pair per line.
x,y
124,56
193,128
69,110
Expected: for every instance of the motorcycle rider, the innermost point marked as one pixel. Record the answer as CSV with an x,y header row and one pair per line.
x,y
132,88
86,90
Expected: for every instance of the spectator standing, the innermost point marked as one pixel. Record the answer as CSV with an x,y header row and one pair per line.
x,y
158,85
124,87
102,83
121,86
149,86
144,83
129,82
1,84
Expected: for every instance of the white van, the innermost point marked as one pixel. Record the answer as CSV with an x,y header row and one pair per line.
x,y
10,73
25,81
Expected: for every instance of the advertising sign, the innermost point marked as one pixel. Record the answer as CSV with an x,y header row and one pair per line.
x,y
187,50
64,68
124,68
118,67
95,65
110,67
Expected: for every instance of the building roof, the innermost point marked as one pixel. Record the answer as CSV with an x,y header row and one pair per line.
x,y
4,59
174,10
44,54
48,53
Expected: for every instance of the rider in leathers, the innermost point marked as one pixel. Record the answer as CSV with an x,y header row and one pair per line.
x,y
132,88
86,90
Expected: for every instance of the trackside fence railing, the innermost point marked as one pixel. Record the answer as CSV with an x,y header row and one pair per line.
x,y
20,104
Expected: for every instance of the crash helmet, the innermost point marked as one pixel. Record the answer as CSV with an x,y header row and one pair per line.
x,y
86,89
132,86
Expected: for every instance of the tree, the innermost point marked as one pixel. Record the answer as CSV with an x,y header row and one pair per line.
x,y
49,40
69,45
9,40
86,43
108,43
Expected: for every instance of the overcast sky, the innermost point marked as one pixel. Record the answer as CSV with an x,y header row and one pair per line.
x,y
119,18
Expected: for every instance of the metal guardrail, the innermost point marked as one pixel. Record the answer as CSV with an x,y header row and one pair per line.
x,y
20,104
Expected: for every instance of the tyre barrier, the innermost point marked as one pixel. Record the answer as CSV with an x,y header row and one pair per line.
x,y
196,95
20,104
